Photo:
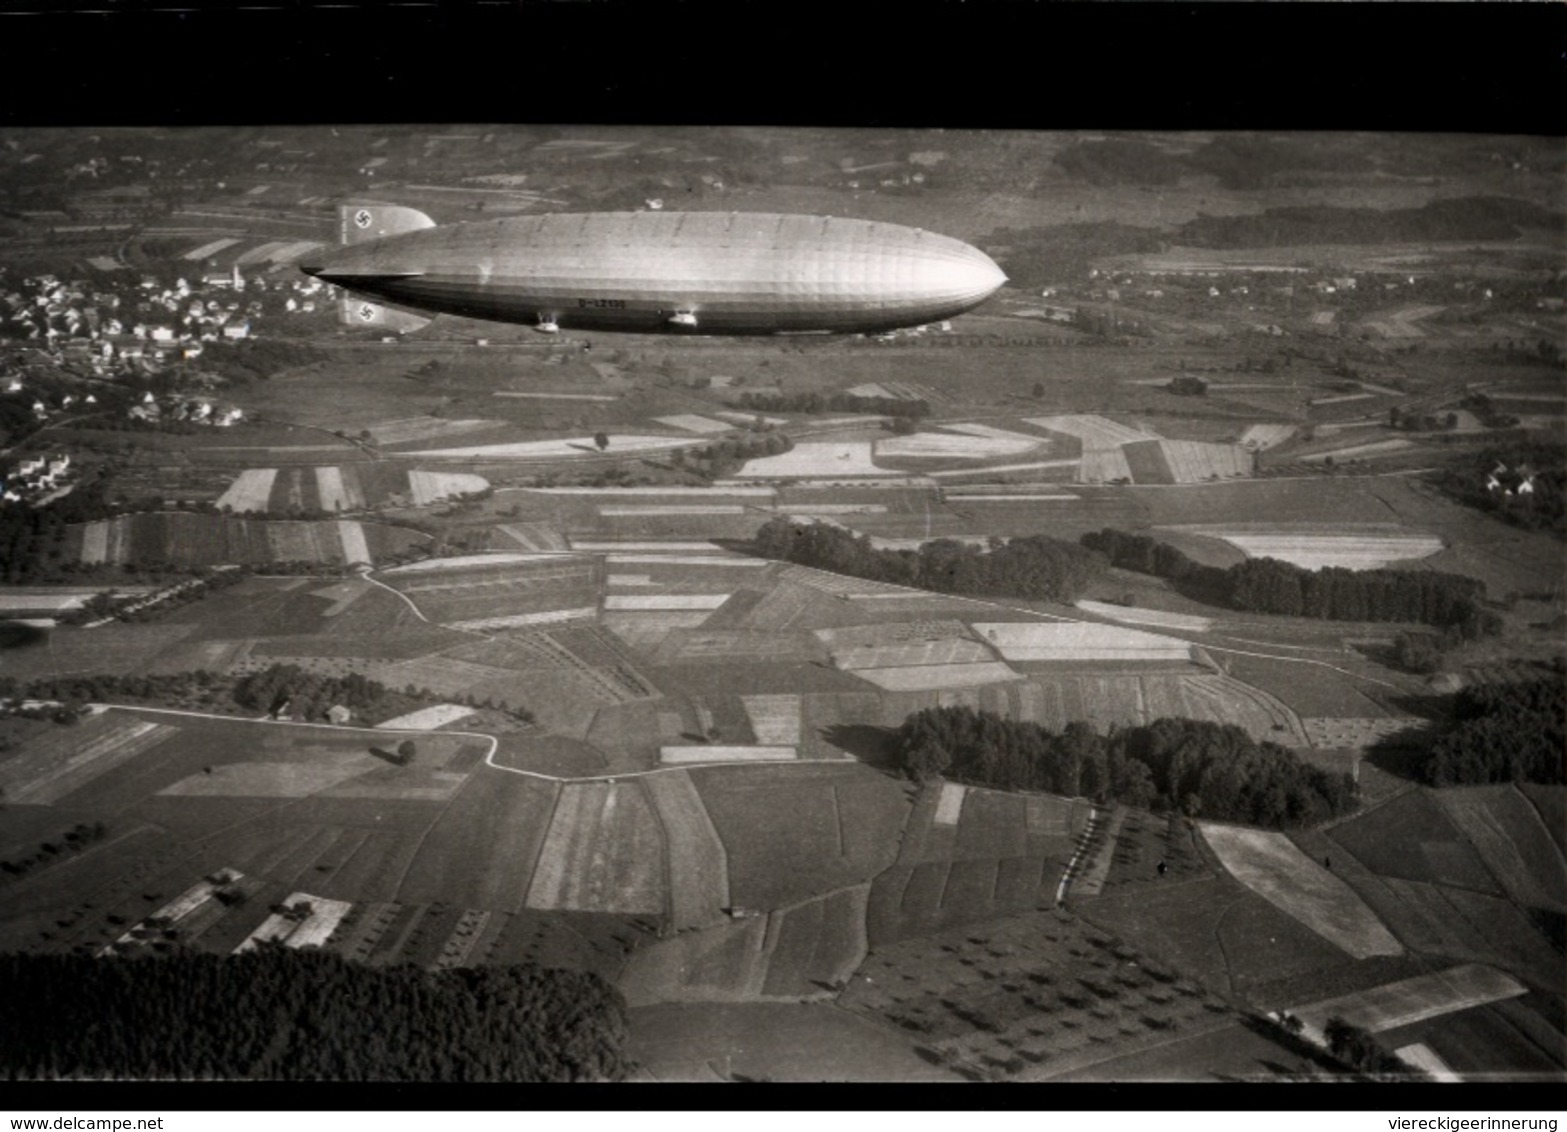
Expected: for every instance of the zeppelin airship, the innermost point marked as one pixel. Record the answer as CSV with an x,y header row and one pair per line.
x,y
646,272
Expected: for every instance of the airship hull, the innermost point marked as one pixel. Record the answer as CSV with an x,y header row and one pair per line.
x,y
704,273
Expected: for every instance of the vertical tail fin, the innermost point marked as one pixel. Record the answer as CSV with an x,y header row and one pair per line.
x,y
360,222
378,316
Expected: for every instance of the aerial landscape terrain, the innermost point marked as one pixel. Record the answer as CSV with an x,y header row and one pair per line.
x,y
1152,672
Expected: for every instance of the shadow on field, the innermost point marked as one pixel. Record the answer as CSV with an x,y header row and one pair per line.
x,y
19,634
871,745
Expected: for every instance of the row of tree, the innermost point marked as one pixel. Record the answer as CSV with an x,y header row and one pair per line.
x,y
283,1015
1515,732
816,401
1035,568
1171,765
1267,585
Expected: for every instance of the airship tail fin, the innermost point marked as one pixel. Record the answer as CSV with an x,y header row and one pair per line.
x,y
379,316
360,222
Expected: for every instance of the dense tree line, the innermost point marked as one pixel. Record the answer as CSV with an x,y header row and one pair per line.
x,y
727,456
1194,767
1266,585
279,1014
1036,567
307,694
1502,733
815,401
1357,1048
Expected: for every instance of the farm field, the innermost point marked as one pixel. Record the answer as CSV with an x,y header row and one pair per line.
x,y
805,1042
1078,641
578,448
604,853
1030,995
817,459
792,832
1276,870
1401,1003
182,539
1312,549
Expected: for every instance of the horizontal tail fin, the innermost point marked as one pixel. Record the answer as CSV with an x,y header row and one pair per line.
x,y
360,222
379,316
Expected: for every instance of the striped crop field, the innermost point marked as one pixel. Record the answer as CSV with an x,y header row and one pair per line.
x,y
993,469
52,766
725,560
270,779
678,755
213,540
672,546
757,492
534,536
428,719
1103,465
932,677
1078,641
698,865
812,510
1360,451
646,629
1260,437
897,632
431,487
691,422
604,852
210,249
1125,699
471,561
1183,622
334,492
938,446
409,429
1274,868
817,459
352,536
536,396
775,719
627,510
995,433
250,491
522,620
1402,1003
546,449
1194,461
952,650
664,601
1093,430
1371,550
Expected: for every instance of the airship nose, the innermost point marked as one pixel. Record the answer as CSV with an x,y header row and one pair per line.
x,y
976,276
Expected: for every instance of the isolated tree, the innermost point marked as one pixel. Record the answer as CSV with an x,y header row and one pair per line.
x,y
601,439
406,751
1039,390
